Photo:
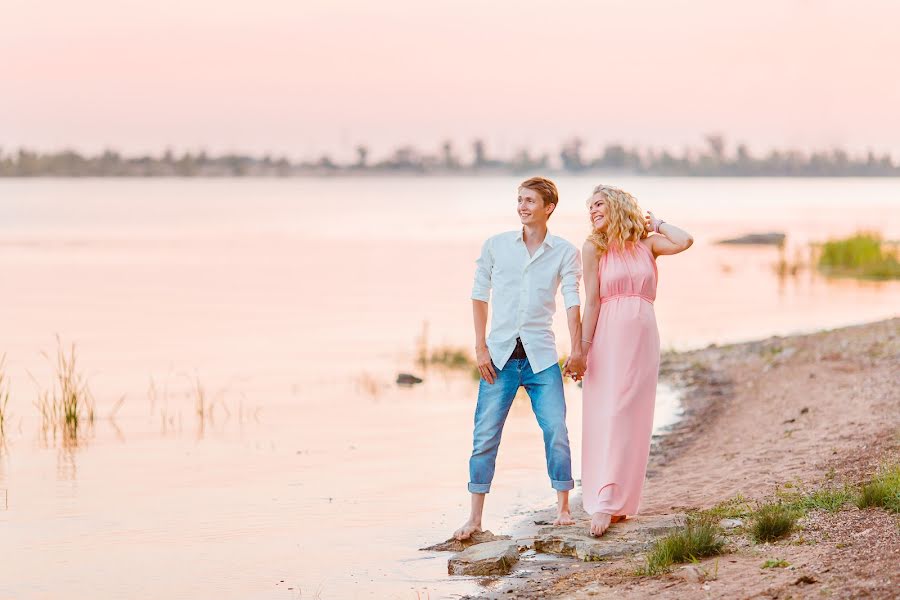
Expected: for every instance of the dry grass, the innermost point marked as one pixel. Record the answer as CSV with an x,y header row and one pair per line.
x,y
68,404
4,395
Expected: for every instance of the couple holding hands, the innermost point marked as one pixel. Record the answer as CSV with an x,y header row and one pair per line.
x,y
615,348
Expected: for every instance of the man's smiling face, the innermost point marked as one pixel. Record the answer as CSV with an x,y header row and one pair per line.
x,y
531,207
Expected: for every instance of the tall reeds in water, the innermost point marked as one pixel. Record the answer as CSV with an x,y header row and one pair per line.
x,y
4,395
863,255
68,404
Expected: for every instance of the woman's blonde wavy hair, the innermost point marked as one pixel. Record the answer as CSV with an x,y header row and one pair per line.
x,y
624,219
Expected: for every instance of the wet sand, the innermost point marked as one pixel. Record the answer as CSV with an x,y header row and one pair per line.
x,y
782,412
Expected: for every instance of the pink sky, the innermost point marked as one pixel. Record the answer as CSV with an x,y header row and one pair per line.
x,y
299,77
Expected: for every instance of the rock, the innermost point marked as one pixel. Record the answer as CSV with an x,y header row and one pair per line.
x,y
407,379
455,545
731,523
690,573
785,354
757,239
630,537
490,558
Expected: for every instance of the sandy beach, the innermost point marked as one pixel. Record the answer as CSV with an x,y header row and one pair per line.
x,y
776,416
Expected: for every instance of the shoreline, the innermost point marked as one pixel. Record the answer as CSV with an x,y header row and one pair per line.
x,y
757,417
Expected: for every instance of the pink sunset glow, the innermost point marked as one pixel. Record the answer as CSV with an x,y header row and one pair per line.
x,y
307,77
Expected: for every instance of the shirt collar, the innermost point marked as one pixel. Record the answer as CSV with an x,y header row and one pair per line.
x,y
548,239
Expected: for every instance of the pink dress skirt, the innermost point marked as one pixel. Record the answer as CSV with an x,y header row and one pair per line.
x,y
619,388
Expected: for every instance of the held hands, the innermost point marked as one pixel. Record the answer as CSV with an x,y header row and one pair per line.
x,y
575,366
485,366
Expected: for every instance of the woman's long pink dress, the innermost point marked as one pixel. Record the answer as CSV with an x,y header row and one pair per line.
x,y
619,386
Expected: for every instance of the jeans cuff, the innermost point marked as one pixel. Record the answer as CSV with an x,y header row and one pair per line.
x,y
562,486
479,488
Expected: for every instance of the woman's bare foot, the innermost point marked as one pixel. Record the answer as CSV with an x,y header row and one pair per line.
x,y
618,518
600,523
466,531
563,517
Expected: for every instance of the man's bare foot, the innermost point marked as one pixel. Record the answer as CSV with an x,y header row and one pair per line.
x,y
466,531
564,518
600,523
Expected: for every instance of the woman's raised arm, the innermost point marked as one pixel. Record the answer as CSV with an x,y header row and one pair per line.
x,y
671,239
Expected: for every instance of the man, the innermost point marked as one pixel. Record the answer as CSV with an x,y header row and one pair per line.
x,y
524,268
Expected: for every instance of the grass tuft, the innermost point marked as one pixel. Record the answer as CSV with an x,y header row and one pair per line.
x,y
883,491
700,536
450,358
863,255
773,521
4,394
830,499
447,357
69,403
734,508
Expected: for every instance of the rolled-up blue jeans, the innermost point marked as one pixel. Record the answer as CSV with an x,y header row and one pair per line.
x,y
549,405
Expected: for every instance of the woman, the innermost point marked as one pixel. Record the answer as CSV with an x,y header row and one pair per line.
x,y
621,342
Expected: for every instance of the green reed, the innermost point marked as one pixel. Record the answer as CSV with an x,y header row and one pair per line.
x,y
863,255
4,394
69,402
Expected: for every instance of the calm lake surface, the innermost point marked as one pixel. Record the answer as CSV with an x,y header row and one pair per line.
x,y
290,306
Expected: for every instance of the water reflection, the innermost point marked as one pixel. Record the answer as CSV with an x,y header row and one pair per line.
x,y
187,476
67,418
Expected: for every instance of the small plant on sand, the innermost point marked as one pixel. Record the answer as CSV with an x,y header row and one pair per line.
x,y
775,564
733,508
831,499
774,521
699,537
883,491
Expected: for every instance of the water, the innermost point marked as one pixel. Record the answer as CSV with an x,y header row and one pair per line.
x,y
293,304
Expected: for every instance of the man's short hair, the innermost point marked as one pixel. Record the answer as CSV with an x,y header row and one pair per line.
x,y
545,188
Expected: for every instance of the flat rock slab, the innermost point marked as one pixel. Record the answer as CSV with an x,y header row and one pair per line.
x,y
755,239
455,545
489,558
628,537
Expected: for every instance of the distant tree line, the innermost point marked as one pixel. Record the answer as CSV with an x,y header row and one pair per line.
x,y
709,160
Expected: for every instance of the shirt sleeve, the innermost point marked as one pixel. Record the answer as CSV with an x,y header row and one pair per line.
x,y
571,275
481,289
